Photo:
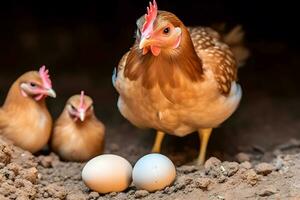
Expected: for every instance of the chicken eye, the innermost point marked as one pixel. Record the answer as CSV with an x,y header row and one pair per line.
x,y
73,108
166,30
32,85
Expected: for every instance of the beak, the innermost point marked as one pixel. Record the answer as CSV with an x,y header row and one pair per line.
x,y
81,115
51,93
144,42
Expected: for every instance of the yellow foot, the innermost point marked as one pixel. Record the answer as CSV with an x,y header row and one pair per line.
x,y
158,140
204,135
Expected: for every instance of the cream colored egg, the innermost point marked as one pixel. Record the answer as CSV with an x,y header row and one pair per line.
x,y
153,172
107,173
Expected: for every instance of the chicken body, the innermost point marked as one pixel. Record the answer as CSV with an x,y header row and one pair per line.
x,y
23,119
78,135
191,105
177,90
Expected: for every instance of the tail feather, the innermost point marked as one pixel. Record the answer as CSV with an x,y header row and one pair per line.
x,y
235,39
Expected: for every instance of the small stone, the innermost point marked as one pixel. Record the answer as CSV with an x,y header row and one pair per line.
x,y
5,154
221,179
264,168
213,167
76,196
56,191
141,193
169,190
30,174
22,183
230,168
120,196
14,167
112,194
246,165
203,182
180,185
251,177
268,191
45,195
242,157
279,163
45,161
94,195
212,163
182,181
9,174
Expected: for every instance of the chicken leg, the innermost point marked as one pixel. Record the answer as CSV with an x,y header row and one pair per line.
x,y
204,135
158,140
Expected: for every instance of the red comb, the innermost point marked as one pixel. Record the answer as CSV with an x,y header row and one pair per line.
x,y
44,74
81,104
149,18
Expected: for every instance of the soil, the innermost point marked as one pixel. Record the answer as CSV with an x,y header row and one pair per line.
x,y
25,176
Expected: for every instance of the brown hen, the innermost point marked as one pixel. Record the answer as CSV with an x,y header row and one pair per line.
x,y
177,80
78,134
24,117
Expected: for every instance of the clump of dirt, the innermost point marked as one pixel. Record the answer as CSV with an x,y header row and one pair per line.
x,y
24,176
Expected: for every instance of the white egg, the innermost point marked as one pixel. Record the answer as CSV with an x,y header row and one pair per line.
x,y
153,172
107,173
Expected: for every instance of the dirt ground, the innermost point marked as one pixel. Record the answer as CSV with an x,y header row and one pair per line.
x,y
24,176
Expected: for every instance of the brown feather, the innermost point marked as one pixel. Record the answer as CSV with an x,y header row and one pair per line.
x,y
23,120
77,141
217,55
162,70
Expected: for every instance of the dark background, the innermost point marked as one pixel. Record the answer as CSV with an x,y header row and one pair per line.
x,y
81,42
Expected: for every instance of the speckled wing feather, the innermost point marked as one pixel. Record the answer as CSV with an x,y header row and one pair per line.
x,y
215,55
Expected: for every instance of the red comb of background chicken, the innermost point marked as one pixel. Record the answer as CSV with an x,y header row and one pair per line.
x,y
149,18
81,104
44,74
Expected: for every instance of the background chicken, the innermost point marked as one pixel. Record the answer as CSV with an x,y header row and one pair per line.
x,y
78,134
177,80
24,117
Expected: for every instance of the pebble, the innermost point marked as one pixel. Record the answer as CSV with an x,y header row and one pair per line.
x,y
112,194
212,163
242,157
264,168
221,179
30,174
251,177
76,196
141,193
246,165
56,191
268,191
169,190
230,168
94,195
213,168
14,167
45,161
5,154
279,163
203,182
